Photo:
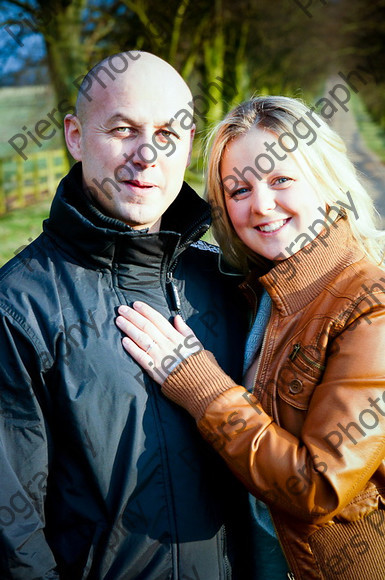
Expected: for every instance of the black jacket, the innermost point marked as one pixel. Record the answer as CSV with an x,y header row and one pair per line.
x,y
101,476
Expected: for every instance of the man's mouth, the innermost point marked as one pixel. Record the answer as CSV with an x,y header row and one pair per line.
x,y
272,227
140,184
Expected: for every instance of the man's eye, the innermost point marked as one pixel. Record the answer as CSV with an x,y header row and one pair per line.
x,y
165,133
123,130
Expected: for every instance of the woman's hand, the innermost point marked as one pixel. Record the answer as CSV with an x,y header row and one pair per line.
x,y
153,342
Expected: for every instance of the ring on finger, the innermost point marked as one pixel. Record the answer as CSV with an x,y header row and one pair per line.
x,y
150,347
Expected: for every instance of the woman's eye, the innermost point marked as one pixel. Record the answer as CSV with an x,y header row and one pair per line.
x,y
239,193
281,180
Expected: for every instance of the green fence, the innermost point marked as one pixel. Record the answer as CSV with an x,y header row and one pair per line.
x,y
24,182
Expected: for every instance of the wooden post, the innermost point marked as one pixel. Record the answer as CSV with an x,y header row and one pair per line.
x,y
36,177
19,182
3,205
51,171
31,179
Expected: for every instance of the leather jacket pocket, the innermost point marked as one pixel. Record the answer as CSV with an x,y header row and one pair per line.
x,y
299,376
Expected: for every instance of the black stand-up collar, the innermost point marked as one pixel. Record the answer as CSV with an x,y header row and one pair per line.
x,y
98,241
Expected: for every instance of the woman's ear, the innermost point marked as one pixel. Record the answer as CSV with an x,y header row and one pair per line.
x,y
73,136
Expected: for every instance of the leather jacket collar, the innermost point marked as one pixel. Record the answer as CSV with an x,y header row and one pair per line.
x,y
295,282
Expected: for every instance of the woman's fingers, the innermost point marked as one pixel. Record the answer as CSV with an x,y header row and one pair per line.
x,y
155,318
143,349
182,327
149,320
141,357
153,342
128,316
162,324
155,324
145,340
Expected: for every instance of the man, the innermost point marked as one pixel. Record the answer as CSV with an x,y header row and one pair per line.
x,y
102,477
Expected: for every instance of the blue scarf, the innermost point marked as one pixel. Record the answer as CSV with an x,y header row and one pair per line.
x,y
257,331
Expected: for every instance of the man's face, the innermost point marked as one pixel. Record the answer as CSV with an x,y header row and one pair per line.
x,y
133,152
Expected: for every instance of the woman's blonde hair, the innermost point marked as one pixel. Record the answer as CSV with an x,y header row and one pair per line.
x,y
323,161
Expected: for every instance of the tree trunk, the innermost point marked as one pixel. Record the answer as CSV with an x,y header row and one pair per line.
x,y
66,53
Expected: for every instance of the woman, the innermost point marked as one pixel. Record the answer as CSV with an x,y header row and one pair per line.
x,y
306,432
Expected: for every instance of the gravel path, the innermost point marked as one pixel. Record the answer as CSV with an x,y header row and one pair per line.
x,y
368,164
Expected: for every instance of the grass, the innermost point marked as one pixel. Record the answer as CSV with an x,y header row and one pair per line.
x,y
25,107
19,227
372,134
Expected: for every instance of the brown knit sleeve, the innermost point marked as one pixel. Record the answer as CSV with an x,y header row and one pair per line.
x,y
196,382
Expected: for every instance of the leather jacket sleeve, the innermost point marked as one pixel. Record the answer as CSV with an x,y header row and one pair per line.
x,y
342,442
24,552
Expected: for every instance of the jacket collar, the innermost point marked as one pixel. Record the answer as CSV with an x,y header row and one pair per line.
x,y
295,282
97,240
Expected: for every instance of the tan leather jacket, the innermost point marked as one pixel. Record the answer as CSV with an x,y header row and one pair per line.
x,y
310,441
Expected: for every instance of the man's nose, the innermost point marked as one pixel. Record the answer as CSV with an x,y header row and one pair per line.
x,y
144,153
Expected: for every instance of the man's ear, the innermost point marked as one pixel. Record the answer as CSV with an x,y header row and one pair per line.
x,y
73,135
192,133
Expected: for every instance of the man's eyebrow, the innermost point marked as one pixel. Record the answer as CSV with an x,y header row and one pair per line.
x,y
121,117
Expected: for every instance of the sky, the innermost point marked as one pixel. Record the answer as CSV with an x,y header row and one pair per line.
x,y
18,43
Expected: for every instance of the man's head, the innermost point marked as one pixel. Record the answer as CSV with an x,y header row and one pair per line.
x,y
133,144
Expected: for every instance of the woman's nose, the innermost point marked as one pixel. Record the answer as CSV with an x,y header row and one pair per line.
x,y
263,200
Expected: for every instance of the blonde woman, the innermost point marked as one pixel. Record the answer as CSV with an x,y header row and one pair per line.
x,y
306,431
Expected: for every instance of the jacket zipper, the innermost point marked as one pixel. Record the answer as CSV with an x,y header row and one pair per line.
x,y
174,292
194,230
297,350
170,273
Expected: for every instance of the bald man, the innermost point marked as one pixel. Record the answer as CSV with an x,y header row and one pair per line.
x,y
133,157
102,477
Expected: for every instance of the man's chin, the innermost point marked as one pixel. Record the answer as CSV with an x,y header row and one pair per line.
x,y
149,225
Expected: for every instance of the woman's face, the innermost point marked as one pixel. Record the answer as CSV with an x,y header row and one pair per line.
x,y
274,209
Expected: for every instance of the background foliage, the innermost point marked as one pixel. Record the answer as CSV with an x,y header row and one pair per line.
x,y
288,47
264,46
